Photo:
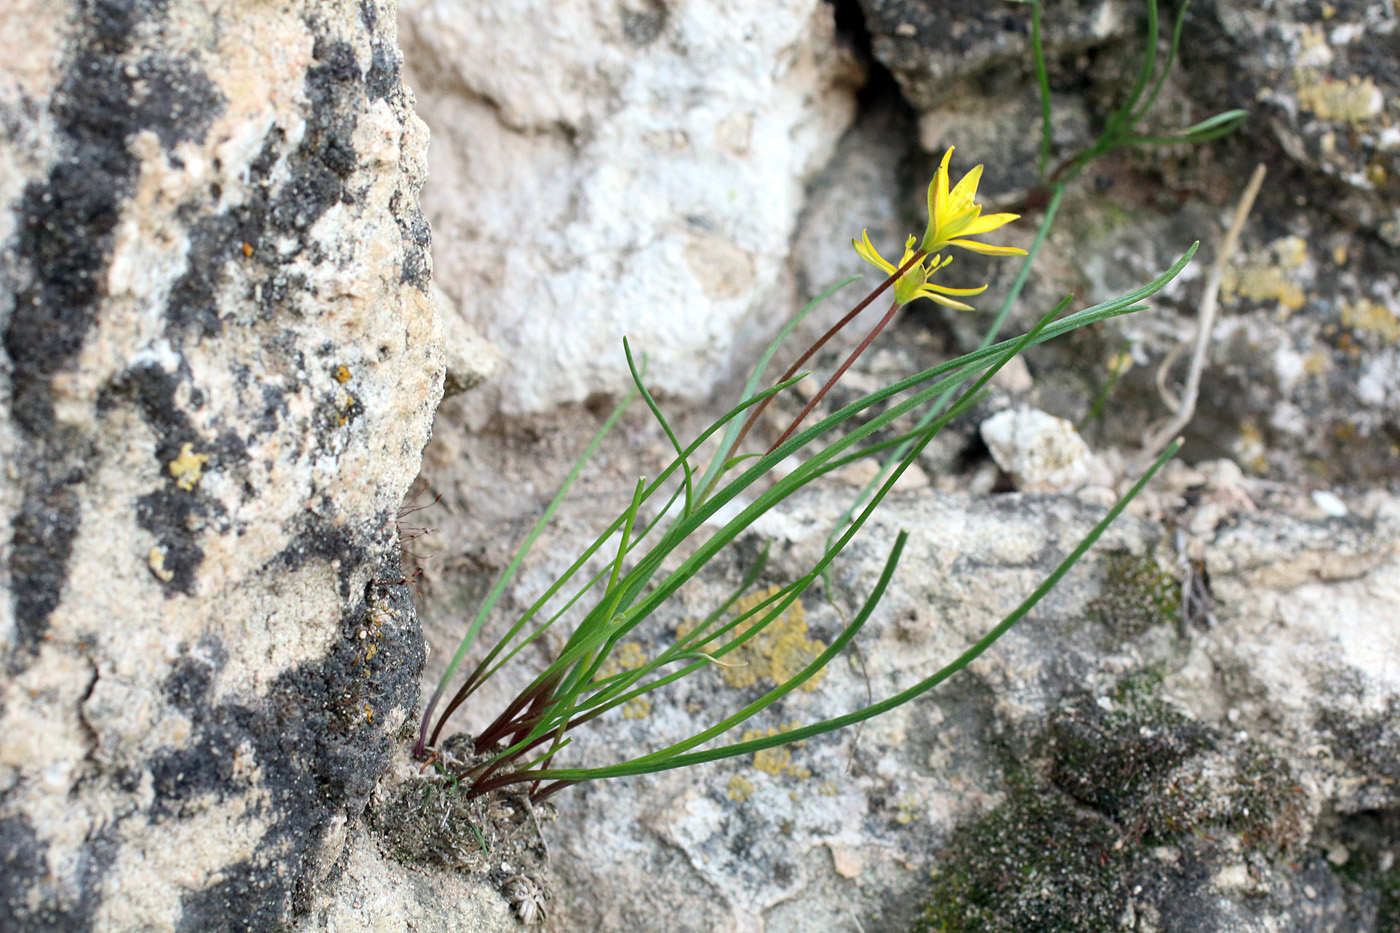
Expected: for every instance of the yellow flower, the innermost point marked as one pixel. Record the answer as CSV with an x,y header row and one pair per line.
x,y
914,283
953,215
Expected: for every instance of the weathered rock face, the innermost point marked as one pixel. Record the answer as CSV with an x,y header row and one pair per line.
x,y
220,366
1140,754
1306,368
664,148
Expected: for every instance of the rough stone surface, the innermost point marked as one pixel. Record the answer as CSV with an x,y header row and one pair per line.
x,y
1195,730
665,147
219,368
1306,358
1195,720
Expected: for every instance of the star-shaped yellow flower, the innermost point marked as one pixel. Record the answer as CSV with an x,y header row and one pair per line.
x,y
952,215
914,283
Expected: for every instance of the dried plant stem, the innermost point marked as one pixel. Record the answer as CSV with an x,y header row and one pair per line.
x,y
1158,438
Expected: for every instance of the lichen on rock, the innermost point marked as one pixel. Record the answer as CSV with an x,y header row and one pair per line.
x,y
220,365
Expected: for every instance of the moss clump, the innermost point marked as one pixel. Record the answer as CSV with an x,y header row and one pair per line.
x,y
1137,594
1263,803
1388,908
1035,864
1120,761
427,817
431,820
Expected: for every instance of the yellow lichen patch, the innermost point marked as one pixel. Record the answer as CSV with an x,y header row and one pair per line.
x,y
640,708
778,652
772,760
777,760
1354,100
1372,317
156,561
1269,275
342,374
627,656
1250,450
827,788
1317,363
740,788
186,467
907,811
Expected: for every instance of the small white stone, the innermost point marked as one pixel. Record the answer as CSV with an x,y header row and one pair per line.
x,y
1015,376
1232,877
1041,453
1329,502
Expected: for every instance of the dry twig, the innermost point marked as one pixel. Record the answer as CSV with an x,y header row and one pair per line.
x,y
1158,438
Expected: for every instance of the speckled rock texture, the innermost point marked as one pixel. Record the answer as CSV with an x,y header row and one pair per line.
x,y
220,366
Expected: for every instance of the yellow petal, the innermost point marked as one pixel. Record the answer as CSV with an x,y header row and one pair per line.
x,y
961,198
946,302
866,250
988,224
958,223
938,191
956,291
988,249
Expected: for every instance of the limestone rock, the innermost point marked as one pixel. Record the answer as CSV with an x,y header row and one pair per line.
x,y
469,358
664,146
220,366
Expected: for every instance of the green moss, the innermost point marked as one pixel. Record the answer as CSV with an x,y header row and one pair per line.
x,y
1121,760
1035,864
1264,803
1137,594
1388,906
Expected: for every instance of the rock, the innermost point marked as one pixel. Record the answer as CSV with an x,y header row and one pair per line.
x,y
1132,714
469,358
665,146
1041,453
1201,713
1305,369
220,365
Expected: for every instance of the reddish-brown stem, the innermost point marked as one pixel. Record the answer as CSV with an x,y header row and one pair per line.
x,y
458,698
516,777
821,342
506,722
884,322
